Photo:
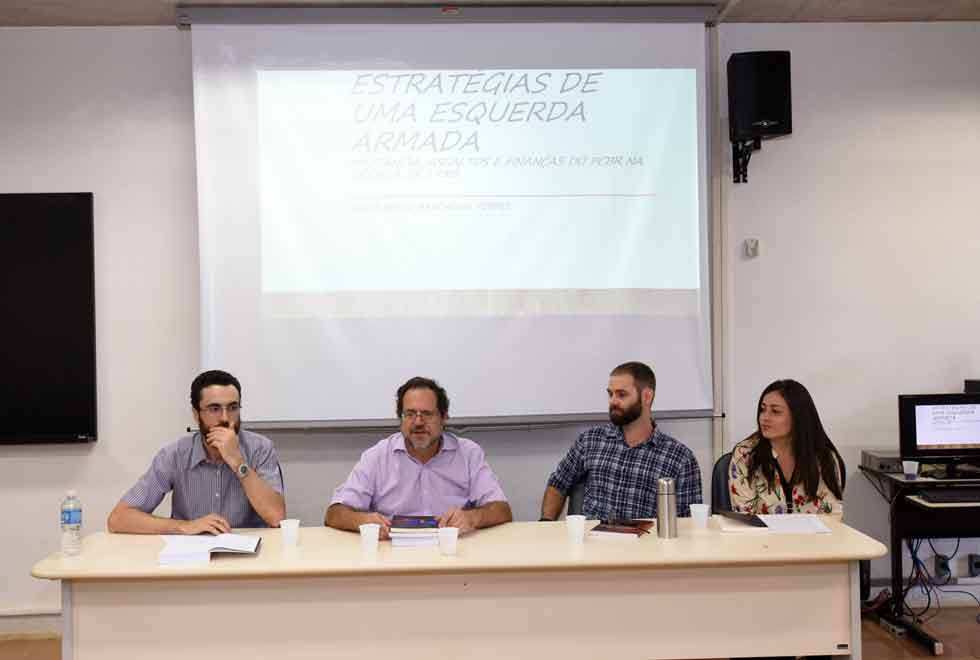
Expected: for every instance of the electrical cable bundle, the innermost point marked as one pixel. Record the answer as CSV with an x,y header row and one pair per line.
x,y
931,586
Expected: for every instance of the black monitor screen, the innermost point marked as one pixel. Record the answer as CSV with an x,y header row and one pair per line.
x,y
47,328
939,426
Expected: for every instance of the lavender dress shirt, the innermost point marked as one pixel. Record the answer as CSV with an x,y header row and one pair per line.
x,y
390,481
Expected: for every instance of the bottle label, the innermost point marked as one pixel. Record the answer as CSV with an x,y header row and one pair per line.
x,y
71,517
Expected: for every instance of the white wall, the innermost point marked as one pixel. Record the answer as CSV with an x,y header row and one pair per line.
x,y
108,111
865,286
869,228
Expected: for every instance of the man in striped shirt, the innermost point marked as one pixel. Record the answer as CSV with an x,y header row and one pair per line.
x,y
621,462
221,476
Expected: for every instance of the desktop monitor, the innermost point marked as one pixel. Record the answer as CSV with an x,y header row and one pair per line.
x,y
940,428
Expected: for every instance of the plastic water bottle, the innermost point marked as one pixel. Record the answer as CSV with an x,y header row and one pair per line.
x,y
71,525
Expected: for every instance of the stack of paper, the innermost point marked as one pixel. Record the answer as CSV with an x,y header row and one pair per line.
x,y
414,531
795,523
197,549
413,540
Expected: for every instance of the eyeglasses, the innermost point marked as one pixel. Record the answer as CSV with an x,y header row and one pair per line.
x,y
215,409
410,415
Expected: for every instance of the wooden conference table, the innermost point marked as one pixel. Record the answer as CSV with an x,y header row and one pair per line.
x,y
520,590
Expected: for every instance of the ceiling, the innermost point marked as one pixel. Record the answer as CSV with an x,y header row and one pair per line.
x,y
163,12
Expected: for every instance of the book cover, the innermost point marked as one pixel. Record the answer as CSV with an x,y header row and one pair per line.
x,y
622,529
414,524
745,518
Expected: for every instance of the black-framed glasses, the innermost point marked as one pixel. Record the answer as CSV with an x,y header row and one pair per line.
x,y
410,415
216,409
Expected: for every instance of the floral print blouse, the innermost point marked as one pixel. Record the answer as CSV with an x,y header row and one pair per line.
x,y
754,496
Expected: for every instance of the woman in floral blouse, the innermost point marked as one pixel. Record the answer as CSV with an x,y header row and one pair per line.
x,y
788,465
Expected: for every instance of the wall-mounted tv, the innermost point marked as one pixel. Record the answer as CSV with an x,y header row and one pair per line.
x,y
47,324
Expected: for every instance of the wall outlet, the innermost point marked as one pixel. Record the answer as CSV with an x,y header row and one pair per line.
x,y
973,565
940,567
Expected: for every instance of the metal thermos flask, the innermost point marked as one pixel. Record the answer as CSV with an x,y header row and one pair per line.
x,y
666,509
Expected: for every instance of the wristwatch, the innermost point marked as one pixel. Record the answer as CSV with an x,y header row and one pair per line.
x,y
242,470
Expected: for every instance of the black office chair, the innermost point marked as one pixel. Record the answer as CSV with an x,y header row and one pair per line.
x,y
721,499
575,498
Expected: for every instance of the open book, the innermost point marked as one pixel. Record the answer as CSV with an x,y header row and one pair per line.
x,y
197,549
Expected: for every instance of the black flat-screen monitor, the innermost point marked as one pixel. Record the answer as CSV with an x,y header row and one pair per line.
x,y
940,428
47,328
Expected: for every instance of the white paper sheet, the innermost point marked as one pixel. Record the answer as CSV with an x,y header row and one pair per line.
x,y
795,523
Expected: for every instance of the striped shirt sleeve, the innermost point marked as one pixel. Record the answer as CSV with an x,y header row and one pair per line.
x,y
155,483
265,462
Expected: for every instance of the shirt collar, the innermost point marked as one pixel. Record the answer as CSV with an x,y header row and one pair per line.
x,y
198,455
618,433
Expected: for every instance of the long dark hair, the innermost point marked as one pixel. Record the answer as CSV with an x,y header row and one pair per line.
x,y
814,453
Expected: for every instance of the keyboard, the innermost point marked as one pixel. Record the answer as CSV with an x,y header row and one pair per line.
x,y
954,495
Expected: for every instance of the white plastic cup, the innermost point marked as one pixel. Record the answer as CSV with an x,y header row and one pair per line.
x,y
575,526
448,537
699,514
911,469
369,537
290,532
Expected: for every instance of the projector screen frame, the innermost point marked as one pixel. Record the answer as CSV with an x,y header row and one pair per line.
x,y
705,14
187,16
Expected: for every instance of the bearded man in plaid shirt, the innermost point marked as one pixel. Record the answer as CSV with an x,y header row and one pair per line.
x,y
621,462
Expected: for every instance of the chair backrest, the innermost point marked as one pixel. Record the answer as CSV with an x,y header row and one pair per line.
x,y
843,470
575,497
721,499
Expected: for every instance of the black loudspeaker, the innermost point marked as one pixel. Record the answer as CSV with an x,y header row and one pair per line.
x,y
759,95
971,385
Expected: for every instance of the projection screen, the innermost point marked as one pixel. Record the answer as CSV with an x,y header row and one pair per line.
x,y
510,208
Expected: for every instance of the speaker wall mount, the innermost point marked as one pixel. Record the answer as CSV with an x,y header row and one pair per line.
x,y
759,103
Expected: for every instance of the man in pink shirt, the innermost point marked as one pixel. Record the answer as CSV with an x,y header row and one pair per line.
x,y
422,470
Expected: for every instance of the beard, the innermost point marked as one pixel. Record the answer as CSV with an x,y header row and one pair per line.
x,y
421,444
625,417
205,429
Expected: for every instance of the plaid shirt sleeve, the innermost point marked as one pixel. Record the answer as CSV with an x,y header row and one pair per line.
x,y
570,469
688,485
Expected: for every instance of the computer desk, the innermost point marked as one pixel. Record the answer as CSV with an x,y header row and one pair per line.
x,y
913,518
520,590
